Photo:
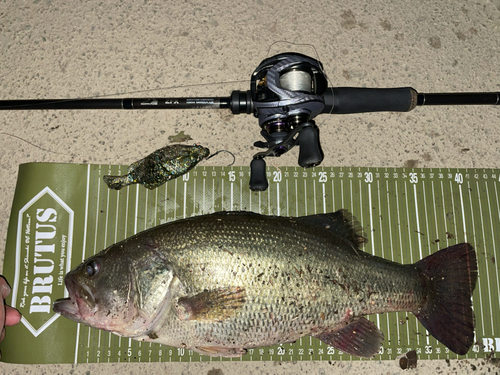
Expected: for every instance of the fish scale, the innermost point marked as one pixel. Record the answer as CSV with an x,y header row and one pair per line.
x,y
238,280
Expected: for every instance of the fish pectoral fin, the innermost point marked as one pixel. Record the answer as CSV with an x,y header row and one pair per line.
x,y
213,305
359,337
220,351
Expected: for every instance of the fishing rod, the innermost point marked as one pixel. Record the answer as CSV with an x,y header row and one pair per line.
x,y
287,92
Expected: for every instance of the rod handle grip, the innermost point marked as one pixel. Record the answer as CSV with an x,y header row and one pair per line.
x,y
343,100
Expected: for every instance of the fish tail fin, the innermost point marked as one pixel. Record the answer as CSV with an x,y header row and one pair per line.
x,y
449,277
117,182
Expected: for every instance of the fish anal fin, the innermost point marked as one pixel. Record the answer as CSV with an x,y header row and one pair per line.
x,y
212,305
359,337
220,351
342,223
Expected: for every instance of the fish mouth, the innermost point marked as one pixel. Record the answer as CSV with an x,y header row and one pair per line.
x,y
79,305
67,307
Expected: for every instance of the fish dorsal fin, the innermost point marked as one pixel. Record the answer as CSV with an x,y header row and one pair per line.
x,y
212,305
342,223
358,337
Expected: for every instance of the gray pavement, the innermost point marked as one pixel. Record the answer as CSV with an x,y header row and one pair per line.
x,y
68,49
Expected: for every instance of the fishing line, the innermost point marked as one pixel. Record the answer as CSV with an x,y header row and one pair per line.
x,y
186,85
309,45
218,152
166,88
128,93
32,144
139,91
294,44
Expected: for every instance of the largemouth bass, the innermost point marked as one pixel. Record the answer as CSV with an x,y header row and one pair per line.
x,y
159,167
223,283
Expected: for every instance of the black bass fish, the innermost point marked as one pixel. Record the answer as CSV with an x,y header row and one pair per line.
x,y
223,283
159,167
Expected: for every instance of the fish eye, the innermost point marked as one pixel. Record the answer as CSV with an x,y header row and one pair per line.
x,y
91,268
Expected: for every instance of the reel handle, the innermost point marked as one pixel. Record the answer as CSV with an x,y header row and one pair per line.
x,y
258,179
310,152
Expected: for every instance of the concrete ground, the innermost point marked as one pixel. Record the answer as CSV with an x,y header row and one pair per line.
x,y
84,48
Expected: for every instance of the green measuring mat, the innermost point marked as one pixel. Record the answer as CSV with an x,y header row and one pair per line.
x,y
64,213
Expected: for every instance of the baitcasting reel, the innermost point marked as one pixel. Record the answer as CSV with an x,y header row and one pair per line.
x,y
287,92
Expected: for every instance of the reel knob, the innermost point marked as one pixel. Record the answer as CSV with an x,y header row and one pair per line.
x,y
310,152
258,179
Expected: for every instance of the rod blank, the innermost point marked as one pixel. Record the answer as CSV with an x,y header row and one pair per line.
x,y
460,98
124,103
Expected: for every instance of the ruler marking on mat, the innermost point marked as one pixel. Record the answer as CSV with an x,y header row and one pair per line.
x,y
407,214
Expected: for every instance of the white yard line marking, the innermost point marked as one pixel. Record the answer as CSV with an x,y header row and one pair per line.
x,y
485,252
